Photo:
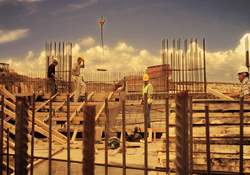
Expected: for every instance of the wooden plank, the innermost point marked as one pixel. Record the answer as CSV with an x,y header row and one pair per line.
x,y
74,134
60,106
103,106
46,102
79,108
37,128
59,137
218,94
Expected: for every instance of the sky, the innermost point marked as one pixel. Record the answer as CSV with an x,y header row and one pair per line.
x,y
132,32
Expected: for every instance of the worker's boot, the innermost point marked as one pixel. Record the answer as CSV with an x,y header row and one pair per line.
x,y
150,134
98,134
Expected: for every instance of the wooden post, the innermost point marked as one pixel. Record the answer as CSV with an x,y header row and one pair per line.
x,y
89,140
167,132
207,139
241,165
181,161
1,135
21,137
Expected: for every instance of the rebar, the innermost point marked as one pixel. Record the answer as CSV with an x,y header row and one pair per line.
x,y
241,162
8,152
50,139
1,134
123,138
146,115
167,133
106,135
32,135
68,135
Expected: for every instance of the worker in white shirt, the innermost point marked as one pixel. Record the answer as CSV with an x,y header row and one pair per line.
x,y
244,81
79,84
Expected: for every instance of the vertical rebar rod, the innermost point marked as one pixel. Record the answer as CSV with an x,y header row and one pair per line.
x,y
167,52
163,51
207,138
106,135
32,135
174,68
247,52
204,66
179,64
70,68
8,152
47,65
60,63
167,133
146,114
50,139
66,61
241,163
123,138
191,64
186,65
183,70
1,134
196,66
88,163
68,136
63,66
201,73
172,73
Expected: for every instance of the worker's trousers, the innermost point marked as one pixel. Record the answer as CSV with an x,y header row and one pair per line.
x,y
79,87
52,85
149,118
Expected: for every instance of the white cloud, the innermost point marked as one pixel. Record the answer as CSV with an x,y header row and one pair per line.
x,y
82,5
29,0
223,65
87,42
12,35
122,57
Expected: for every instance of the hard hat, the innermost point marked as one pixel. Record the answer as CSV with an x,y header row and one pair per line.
x,y
145,77
80,58
243,69
55,60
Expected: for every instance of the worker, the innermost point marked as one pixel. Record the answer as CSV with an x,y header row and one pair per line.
x,y
243,76
79,84
52,76
148,91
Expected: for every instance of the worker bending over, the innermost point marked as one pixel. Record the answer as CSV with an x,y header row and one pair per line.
x,y
79,84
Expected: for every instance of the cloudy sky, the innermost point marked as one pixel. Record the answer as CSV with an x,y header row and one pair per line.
x,y
132,33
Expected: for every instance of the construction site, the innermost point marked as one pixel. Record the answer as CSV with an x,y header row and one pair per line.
x,y
197,127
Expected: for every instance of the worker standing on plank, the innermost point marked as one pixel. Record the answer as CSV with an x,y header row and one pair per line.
x,y
79,84
244,81
147,90
52,76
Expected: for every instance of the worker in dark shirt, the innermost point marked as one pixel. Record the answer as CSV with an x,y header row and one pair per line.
x,y
52,77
